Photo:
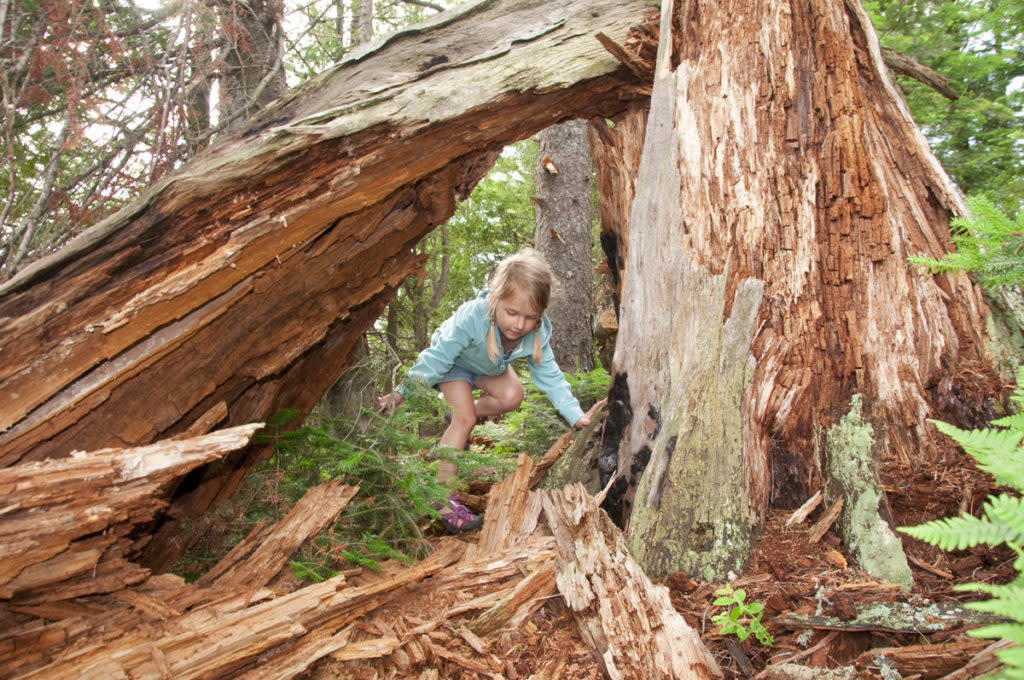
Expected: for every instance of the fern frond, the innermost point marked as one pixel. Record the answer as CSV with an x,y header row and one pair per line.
x,y
1014,632
957,533
1005,601
998,452
1013,657
1014,422
1008,511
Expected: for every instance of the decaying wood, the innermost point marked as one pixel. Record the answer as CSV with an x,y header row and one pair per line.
x,y
60,517
801,513
240,284
228,625
784,182
628,621
930,661
512,511
893,617
827,519
260,556
217,640
981,664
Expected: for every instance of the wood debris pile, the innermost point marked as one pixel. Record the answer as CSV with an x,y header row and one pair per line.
x,y
74,605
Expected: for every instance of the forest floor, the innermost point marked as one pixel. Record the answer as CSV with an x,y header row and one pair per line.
x,y
823,612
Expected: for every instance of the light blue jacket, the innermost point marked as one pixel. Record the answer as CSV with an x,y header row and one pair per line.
x,y
462,341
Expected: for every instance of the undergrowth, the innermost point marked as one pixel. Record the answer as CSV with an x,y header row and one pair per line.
x,y
394,462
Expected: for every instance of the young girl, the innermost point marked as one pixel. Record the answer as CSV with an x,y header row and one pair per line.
x,y
474,349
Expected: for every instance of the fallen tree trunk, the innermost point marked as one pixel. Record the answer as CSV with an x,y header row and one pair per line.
x,y
234,622
238,285
60,517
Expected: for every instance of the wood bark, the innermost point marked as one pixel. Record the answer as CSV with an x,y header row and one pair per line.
x,y
235,623
240,284
781,187
628,620
251,58
564,234
62,517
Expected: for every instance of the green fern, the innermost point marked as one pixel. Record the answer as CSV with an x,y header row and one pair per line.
x,y
1002,522
958,533
998,452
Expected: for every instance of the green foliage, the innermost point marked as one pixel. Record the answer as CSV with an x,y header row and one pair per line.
x,y
740,618
1002,521
977,46
988,243
536,424
395,469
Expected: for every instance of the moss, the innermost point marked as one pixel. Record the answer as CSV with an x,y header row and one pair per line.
x,y
851,471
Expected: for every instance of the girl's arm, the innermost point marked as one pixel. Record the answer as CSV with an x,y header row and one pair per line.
x,y
548,378
450,339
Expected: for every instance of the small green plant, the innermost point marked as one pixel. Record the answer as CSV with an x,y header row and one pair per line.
x,y
1000,452
536,424
989,244
740,618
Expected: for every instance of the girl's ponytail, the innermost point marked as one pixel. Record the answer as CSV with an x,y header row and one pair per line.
x,y
492,339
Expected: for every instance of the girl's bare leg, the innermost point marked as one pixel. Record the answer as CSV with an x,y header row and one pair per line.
x,y
459,396
501,394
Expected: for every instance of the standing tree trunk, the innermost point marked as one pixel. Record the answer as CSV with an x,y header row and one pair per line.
x,y
565,176
252,58
781,187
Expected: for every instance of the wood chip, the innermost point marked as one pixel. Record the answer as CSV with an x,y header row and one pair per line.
x,y
826,521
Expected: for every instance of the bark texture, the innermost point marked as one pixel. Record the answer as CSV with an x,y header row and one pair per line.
x,y
565,179
240,284
781,187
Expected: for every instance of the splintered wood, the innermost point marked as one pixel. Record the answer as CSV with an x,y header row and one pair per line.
x,y
452,615
627,619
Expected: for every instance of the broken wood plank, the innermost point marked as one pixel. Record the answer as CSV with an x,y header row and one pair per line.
x,y
520,603
553,453
512,512
214,641
628,621
57,508
826,521
801,513
930,661
270,552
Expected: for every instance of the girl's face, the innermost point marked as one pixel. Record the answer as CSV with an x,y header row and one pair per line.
x,y
516,316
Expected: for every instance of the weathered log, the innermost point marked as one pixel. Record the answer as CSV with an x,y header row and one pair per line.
x,y
61,516
260,556
238,285
629,621
225,638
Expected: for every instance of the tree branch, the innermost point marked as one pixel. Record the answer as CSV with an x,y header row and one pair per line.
x,y
424,3
910,67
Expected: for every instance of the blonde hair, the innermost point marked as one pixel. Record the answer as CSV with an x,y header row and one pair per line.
x,y
528,274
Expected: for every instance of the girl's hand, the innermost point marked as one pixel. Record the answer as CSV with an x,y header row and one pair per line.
x,y
389,402
585,418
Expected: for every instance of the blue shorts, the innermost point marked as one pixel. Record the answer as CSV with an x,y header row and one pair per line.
x,y
460,373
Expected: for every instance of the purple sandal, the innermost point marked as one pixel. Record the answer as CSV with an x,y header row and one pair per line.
x,y
459,518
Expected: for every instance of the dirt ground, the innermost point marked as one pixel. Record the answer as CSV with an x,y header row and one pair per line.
x,y
791,575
